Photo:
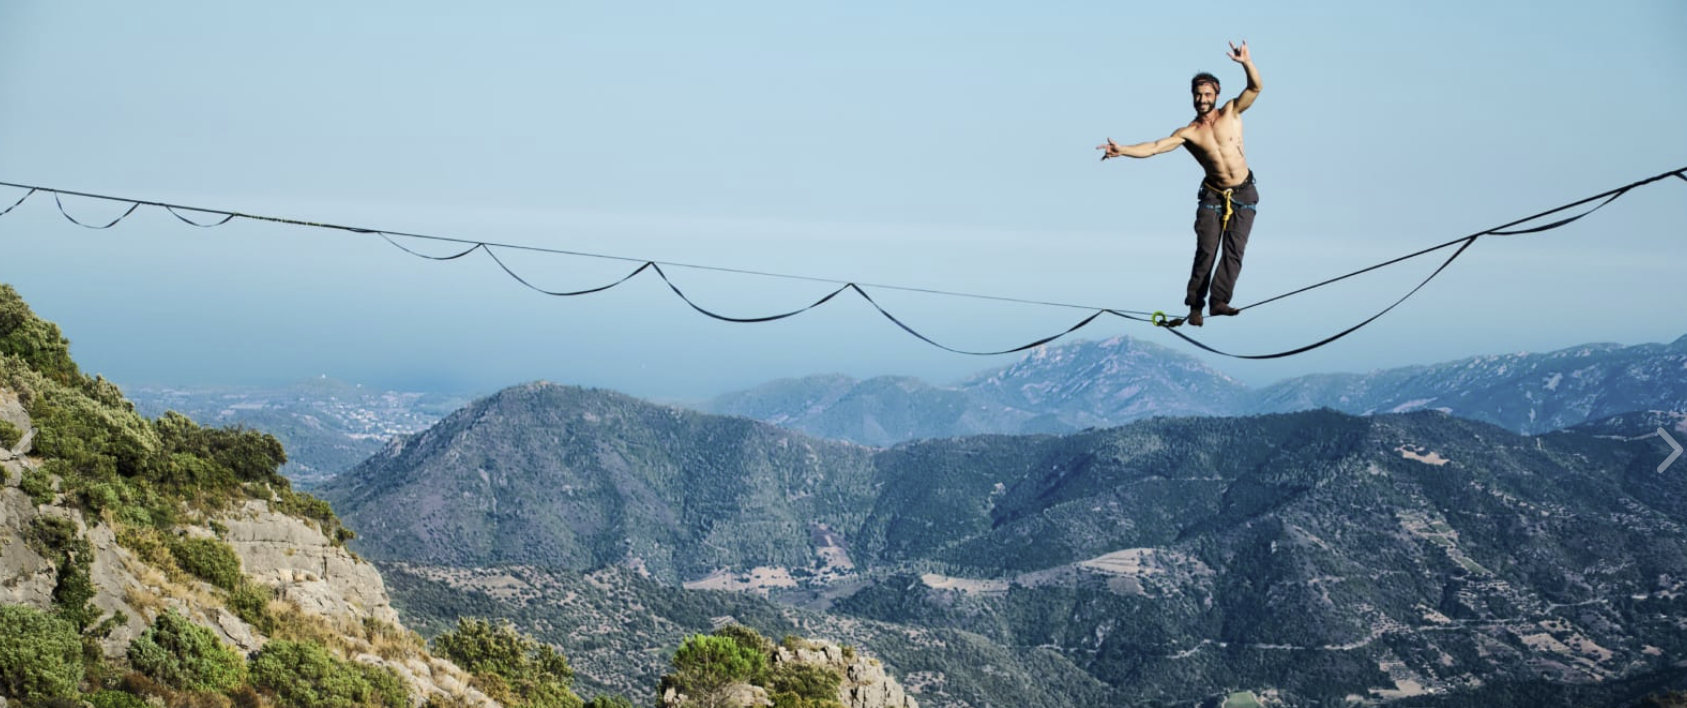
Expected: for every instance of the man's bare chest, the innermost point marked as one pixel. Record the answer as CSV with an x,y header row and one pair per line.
x,y
1215,137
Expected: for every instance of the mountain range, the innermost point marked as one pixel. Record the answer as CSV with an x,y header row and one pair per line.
x,y
329,426
1303,557
1113,382
1300,558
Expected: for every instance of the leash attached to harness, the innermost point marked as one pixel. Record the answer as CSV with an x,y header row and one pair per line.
x,y
1230,203
1229,206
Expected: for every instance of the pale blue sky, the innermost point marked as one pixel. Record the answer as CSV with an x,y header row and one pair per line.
x,y
944,146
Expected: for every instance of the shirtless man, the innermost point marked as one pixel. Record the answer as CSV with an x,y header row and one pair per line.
x,y
1227,197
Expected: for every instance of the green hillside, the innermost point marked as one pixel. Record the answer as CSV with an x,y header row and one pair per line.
x,y
559,476
1309,556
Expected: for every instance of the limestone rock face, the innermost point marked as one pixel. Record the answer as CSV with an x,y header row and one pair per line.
x,y
865,682
283,552
115,581
11,411
26,578
305,568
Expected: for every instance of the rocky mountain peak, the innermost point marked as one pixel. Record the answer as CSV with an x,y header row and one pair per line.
x,y
1108,383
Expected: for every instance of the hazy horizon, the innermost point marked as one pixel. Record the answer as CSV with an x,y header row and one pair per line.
x,y
447,388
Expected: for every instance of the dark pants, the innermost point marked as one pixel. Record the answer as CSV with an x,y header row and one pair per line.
x,y
1211,233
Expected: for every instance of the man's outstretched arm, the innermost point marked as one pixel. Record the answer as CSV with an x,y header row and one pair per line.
x,y
1241,56
1148,149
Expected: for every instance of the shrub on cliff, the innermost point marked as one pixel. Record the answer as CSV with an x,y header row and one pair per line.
x,y
305,675
707,666
40,655
508,665
210,559
178,653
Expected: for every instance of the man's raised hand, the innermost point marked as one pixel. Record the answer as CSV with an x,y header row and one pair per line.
x,y
1111,149
1240,54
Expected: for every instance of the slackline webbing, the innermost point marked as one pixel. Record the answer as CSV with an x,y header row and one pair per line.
x,y
859,289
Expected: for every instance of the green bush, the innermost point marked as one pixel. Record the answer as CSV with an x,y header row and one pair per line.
x,y
116,699
57,539
97,439
144,506
35,341
37,482
40,655
506,661
216,458
210,559
250,603
100,496
746,638
810,681
178,653
609,701
305,675
792,700
9,435
385,687
706,665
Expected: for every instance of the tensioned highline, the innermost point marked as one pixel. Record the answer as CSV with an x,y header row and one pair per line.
x,y
1156,318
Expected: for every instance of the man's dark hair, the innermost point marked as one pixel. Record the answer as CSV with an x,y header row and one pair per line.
x,y
1203,78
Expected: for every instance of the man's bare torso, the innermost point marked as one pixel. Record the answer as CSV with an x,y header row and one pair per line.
x,y
1217,145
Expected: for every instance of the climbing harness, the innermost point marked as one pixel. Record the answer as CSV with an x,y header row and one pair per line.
x,y
1230,203
1228,208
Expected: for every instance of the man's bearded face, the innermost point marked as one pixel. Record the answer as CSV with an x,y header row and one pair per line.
x,y
1206,95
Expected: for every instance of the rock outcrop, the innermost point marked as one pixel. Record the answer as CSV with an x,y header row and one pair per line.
x,y
285,553
26,578
865,684
303,566
12,412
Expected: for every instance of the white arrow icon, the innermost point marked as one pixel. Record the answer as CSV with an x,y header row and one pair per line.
x,y
1673,455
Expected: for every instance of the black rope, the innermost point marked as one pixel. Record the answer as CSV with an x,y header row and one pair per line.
x,y
725,318
1507,229
939,345
1361,271
554,293
419,254
132,207
1501,230
1561,222
207,225
26,195
231,214
1468,240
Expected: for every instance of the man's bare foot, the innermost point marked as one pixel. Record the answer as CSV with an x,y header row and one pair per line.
x,y
1195,317
1218,308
